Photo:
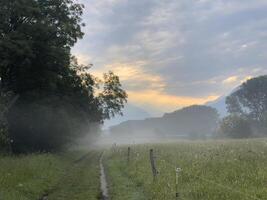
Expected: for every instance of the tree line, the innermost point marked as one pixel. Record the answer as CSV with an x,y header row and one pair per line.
x,y
247,108
47,99
247,117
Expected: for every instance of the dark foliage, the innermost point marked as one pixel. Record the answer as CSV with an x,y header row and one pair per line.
x,y
190,122
234,126
57,100
250,102
250,99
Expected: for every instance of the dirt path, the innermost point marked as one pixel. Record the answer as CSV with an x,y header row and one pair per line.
x,y
80,181
103,180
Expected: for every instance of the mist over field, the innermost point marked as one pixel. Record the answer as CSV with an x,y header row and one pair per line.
x,y
127,100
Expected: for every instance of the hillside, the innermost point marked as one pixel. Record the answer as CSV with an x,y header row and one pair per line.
x,y
130,112
220,105
192,121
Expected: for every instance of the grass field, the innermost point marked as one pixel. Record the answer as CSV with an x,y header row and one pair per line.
x,y
58,176
212,170
220,170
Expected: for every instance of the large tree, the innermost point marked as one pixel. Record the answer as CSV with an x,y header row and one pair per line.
x,y
250,99
57,97
36,38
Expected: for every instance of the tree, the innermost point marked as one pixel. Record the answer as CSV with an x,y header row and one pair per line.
x,y
7,99
58,99
4,140
113,96
52,123
36,37
235,126
250,99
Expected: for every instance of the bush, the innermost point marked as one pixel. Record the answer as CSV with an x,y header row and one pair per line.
x,y
42,127
235,126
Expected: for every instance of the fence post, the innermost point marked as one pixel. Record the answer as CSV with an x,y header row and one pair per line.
x,y
177,170
153,165
114,147
128,155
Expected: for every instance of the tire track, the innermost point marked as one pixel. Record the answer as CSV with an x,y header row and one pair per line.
x,y
103,180
74,165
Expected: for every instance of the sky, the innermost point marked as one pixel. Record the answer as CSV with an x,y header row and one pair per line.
x,y
175,53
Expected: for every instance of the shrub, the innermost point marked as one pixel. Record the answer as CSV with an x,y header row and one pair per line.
x,y
235,126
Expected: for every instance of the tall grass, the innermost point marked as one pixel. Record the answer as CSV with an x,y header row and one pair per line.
x,y
216,170
29,177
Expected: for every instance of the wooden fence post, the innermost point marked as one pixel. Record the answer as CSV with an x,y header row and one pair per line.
x,y
114,147
177,170
153,165
128,155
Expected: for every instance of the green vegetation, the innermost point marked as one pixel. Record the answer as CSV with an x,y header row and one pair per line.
x,y
58,176
248,110
193,122
121,185
212,170
229,170
48,100
235,126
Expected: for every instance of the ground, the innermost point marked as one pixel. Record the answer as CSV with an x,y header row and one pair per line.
x,y
215,170
210,170
60,176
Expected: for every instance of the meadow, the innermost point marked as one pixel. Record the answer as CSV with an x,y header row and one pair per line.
x,y
50,176
209,170
215,170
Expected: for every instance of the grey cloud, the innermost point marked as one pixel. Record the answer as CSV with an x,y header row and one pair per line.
x,y
185,42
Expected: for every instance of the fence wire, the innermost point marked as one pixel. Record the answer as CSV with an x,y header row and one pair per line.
x,y
224,187
161,157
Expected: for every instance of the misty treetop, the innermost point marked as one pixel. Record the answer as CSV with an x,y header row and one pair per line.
x,y
57,99
248,109
250,99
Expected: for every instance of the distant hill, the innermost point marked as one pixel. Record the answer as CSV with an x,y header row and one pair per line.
x,y
192,121
220,105
130,112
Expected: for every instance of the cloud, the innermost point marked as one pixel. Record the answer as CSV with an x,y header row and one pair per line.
x,y
83,59
230,80
187,48
234,81
165,102
133,76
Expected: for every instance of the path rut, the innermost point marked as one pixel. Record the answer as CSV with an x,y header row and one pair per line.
x,y
103,180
